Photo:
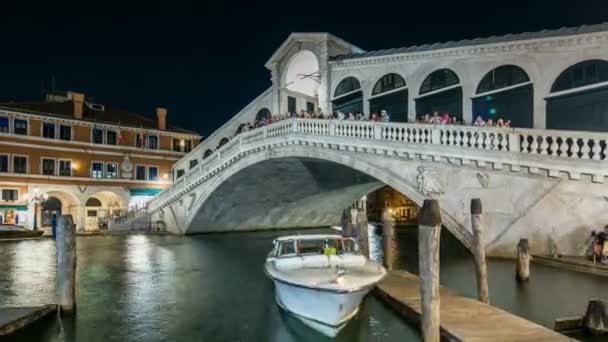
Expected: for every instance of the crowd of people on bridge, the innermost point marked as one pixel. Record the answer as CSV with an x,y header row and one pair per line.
x,y
434,118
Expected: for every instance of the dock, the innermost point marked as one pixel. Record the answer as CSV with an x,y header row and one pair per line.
x,y
572,263
462,318
13,319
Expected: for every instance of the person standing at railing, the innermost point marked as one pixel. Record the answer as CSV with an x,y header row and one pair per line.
x,y
384,116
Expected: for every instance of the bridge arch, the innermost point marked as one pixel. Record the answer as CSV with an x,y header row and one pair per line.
x,y
440,91
390,93
505,92
378,177
580,88
347,96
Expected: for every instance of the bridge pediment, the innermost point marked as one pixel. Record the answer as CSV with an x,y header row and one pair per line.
x,y
301,40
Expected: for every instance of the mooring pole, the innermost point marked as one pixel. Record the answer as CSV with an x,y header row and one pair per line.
x,y
479,251
346,223
523,261
429,233
66,264
362,231
387,238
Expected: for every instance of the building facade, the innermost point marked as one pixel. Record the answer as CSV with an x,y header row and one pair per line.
x,y
67,155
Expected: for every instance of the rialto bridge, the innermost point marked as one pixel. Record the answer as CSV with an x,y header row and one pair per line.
x,y
543,179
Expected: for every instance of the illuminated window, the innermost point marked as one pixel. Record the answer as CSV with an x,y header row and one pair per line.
x,y
153,173
97,170
20,126
112,170
187,146
4,125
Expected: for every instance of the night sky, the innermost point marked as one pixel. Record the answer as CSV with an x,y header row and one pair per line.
x,y
204,61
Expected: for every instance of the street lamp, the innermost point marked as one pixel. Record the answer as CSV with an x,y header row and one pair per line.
x,y
37,198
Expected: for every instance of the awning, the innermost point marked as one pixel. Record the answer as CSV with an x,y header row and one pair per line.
x,y
144,192
17,207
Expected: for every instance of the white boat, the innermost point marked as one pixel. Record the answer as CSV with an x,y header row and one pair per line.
x,y
321,279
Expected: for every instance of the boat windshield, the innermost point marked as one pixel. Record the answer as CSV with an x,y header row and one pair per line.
x,y
317,247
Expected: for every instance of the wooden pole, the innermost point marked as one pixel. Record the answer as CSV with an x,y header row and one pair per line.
x,y
387,238
346,223
362,232
429,233
66,264
523,261
596,317
479,251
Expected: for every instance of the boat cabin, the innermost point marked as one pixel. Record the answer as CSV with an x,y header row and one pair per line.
x,y
307,245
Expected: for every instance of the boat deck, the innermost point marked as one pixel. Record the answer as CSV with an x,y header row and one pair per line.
x,y
462,318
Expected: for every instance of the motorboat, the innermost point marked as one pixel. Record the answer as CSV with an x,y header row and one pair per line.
x,y
321,279
13,231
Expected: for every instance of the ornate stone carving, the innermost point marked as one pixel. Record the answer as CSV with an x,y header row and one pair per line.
x,y
126,168
484,179
429,182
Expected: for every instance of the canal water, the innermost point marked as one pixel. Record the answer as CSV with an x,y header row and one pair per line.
x,y
212,288
164,288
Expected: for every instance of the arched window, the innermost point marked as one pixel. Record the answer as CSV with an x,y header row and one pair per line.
x,y
93,202
347,85
502,77
439,79
395,102
207,153
433,99
514,104
584,109
388,82
223,142
263,114
582,74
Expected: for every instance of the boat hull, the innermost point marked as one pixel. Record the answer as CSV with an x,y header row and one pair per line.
x,y
326,311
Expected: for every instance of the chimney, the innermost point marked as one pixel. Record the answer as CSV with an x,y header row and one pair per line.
x,y
78,101
161,116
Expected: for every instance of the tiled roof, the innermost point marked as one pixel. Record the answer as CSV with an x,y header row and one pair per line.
x,y
107,116
564,31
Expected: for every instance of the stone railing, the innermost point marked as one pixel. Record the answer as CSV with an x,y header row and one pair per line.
x,y
570,152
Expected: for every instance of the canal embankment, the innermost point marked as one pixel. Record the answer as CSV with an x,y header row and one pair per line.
x,y
462,318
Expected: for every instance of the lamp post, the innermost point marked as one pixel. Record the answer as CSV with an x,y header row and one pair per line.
x,y
37,198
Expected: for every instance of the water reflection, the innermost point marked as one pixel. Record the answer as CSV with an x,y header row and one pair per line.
x,y
164,288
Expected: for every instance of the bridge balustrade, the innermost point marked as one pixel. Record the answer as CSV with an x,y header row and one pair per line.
x,y
557,145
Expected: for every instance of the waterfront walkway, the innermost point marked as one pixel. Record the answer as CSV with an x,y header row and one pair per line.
x,y
462,318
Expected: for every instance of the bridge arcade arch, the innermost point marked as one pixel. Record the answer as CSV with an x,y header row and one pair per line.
x,y
581,88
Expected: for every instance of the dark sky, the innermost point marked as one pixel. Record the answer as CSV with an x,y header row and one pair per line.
x,y
205,61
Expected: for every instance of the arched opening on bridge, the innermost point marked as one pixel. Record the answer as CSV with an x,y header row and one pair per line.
x,y
505,93
263,115
301,82
348,96
223,142
207,153
390,94
440,92
579,98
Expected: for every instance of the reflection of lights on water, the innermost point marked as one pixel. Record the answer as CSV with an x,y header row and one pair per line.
x,y
33,269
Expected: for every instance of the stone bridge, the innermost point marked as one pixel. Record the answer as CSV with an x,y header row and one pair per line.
x,y
541,184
